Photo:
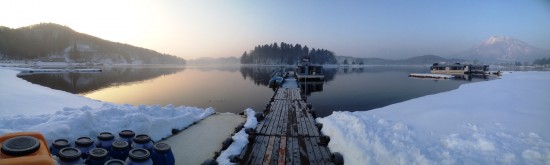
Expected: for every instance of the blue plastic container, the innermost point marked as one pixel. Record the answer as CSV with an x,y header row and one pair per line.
x,y
84,144
127,135
104,140
139,156
58,145
98,156
143,141
119,150
162,154
70,156
115,162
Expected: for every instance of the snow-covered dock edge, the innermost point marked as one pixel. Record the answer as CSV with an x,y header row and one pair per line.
x,y
239,140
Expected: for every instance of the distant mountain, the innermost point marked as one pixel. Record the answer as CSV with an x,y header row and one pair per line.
x,y
418,60
214,61
53,42
503,49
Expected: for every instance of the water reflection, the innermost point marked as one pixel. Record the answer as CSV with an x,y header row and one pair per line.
x,y
81,83
311,86
235,88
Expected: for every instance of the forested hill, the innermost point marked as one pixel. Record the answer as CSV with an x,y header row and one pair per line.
x,y
288,54
53,42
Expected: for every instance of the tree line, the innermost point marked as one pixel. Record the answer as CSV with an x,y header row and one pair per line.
x,y
286,54
542,61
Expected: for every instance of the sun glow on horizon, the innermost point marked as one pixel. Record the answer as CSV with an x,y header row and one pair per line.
x,y
194,29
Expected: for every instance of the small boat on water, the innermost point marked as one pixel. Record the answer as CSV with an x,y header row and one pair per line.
x,y
277,78
276,81
308,71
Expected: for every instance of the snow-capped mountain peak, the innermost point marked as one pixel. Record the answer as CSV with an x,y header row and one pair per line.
x,y
504,40
502,49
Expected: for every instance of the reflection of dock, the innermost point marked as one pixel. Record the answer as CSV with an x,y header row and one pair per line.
x,y
303,77
311,86
288,134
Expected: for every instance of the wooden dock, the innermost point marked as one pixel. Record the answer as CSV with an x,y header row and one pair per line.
x,y
287,135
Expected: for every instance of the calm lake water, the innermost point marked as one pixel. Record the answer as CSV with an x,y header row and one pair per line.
x,y
235,88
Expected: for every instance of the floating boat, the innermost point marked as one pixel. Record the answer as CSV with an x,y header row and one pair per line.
x,y
276,79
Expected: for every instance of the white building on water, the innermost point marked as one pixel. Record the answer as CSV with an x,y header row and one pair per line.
x,y
458,69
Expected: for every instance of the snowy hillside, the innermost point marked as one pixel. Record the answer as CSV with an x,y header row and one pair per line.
x,y
504,121
49,42
503,49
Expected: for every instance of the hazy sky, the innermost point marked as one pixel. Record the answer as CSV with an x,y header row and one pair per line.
x,y
385,28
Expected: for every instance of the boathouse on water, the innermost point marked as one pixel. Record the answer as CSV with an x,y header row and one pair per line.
x,y
458,69
309,71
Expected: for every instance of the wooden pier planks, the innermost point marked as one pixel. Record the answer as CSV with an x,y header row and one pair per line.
x,y
287,135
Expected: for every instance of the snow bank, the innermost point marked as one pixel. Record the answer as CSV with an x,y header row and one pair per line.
x,y
240,139
71,123
20,97
504,121
57,114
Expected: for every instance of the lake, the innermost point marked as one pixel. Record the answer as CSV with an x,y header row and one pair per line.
x,y
235,88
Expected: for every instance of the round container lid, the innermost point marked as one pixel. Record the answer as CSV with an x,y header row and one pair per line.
x,y
115,162
60,143
126,133
105,136
142,138
84,141
20,146
69,153
98,153
120,145
139,154
161,147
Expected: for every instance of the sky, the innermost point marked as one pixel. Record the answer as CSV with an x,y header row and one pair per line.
x,y
387,28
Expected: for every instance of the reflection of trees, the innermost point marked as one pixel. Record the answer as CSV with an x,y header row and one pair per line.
x,y
226,68
378,69
259,75
79,83
262,75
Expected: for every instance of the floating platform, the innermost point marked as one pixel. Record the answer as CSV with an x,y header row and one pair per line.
x,y
434,76
200,141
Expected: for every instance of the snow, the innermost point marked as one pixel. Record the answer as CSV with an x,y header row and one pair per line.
x,y
21,97
503,121
71,123
57,114
240,139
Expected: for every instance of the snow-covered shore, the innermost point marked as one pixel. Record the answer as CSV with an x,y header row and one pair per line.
x,y
504,121
22,97
57,114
